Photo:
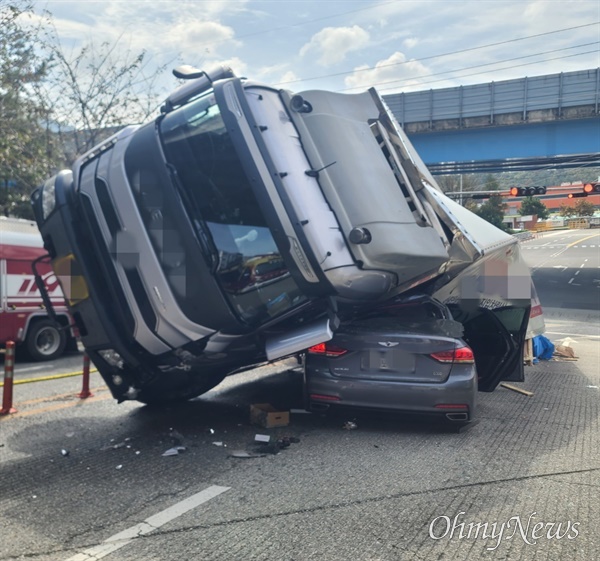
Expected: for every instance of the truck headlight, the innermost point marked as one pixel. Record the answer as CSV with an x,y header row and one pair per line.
x,y
112,357
48,199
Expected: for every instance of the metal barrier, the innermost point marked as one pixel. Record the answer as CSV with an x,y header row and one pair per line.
x,y
85,390
9,369
8,383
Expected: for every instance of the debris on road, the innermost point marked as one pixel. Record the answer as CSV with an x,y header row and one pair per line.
x,y
564,352
349,425
123,444
267,416
64,452
244,454
176,436
120,466
219,443
173,451
278,445
543,348
516,389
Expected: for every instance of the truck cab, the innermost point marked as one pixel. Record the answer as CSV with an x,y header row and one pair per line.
x,y
241,223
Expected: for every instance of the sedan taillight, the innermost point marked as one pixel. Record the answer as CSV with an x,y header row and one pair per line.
x,y
328,350
462,355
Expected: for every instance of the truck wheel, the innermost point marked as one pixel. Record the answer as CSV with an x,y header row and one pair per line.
x,y
163,396
45,341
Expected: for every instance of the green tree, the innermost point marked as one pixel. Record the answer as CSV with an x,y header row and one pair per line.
x,y
566,211
534,205
493,211
584,208
25,146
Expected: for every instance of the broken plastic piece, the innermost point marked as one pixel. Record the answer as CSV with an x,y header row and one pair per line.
x,y
176,435
218,443
119,466
244,454
262,438
64,452
173,451
350,425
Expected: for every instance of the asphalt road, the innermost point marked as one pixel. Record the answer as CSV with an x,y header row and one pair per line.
x,y
522,483
566,268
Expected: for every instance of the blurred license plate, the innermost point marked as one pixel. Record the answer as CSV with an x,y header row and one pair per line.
x,y
391,360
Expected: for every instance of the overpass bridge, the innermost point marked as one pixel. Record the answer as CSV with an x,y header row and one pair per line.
x,y
539,122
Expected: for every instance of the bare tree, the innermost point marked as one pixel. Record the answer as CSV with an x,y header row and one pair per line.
x,y
452,183
97,89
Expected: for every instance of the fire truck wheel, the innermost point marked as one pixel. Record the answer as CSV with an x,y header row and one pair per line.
x,y
45,341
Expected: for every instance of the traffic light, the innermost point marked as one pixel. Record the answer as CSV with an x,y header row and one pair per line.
x,y
527,191
588,189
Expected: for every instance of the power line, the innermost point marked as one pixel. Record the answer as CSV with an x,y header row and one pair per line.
x,y
284,27
496,69
439,55
403,80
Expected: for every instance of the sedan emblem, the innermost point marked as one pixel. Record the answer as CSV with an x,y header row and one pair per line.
x,y
388,343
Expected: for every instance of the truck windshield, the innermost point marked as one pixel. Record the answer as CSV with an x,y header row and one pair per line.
x,y
248,264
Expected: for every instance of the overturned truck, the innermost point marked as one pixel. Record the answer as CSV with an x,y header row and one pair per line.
x,y
246,222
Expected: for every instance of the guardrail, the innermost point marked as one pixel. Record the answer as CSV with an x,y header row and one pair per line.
x,y
8,383
9,369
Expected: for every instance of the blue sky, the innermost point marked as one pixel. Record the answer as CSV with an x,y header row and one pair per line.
x,y
350,45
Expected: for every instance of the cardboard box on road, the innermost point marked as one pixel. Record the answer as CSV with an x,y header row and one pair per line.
x,y
265,415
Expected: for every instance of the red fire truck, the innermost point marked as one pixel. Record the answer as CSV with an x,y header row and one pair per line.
x,y
23,316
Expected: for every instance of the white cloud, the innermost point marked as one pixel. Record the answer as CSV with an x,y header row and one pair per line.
x,y
190,35
395,70
276,74
289,76
410,42
332,44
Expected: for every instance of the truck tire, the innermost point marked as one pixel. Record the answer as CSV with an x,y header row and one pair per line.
x,y
161,396
45,341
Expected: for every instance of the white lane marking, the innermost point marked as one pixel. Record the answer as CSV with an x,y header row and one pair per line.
x,y
149,525
571,280
576,273
573,334
582,265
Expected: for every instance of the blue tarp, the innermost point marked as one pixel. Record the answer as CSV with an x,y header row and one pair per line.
x,y
543,348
